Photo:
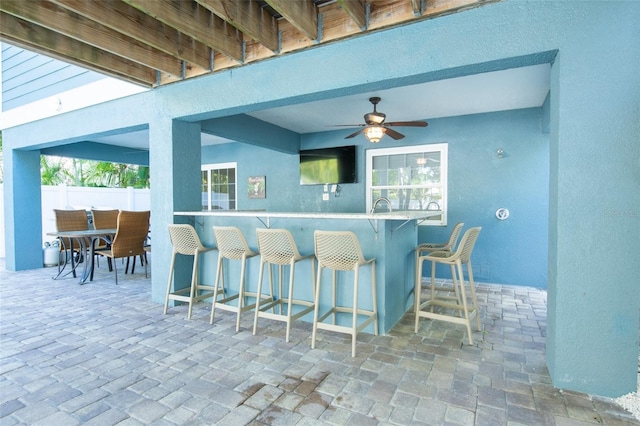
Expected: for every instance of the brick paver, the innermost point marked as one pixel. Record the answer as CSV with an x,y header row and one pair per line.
x,y
102,354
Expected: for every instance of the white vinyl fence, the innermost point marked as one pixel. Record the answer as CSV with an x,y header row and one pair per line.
x,y
63,197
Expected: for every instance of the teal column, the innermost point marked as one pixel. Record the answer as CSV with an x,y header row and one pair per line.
x,y
22,207
594,218
174,160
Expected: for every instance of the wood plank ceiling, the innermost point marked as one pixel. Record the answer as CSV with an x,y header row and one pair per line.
x,y
155,42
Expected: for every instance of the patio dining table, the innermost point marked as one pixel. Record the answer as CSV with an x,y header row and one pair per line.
x,y
82,236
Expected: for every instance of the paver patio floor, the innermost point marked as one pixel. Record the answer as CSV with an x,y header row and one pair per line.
x,y
102,354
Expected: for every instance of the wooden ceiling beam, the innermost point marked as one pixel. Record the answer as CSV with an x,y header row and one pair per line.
x,y
42,40
130,21
247,16
302,14
195,21
357,10
68,23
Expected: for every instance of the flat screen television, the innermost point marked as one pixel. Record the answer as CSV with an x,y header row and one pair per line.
x,y
328,165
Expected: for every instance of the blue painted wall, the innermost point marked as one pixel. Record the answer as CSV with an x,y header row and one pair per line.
x,y
508,252
28,76
593,153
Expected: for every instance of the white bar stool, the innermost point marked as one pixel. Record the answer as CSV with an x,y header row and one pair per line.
x,y
426,248
185,241
459,303
232,245
277,247
340,251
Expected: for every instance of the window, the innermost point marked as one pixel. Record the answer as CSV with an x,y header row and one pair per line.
x,y
410,177
219,186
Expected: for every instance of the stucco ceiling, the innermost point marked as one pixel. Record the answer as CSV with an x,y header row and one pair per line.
x,y
515,88
493,91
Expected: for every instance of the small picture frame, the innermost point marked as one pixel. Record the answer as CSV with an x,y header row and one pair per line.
x,y
257,187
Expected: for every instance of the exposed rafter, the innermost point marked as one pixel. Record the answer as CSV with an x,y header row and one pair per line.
x,y
70,24
357,10
303,14
30,36
138,26
191,19
247,16
155,42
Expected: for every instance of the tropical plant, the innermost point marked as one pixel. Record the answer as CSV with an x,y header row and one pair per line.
x,y
76,172
52,171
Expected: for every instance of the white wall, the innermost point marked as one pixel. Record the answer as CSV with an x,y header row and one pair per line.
x,y
62,197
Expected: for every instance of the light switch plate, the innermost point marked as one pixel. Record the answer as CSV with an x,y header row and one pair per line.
x,y
326,187
333,188
325,196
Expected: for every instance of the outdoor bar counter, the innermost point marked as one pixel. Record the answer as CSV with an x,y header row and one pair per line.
x,y
389,237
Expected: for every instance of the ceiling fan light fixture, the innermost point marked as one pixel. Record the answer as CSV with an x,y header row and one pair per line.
x,y
374,133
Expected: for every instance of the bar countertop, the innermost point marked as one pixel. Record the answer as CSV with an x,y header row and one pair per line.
x,y
398,215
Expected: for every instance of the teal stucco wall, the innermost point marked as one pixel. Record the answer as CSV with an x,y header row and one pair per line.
x,y
509,252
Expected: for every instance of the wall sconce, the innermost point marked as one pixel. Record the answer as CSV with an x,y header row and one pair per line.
x,y
374,133
500,152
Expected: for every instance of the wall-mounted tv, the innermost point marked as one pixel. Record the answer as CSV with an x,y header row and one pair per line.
x,y
328,165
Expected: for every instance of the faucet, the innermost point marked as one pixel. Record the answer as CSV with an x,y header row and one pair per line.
x,y
433,203
378,201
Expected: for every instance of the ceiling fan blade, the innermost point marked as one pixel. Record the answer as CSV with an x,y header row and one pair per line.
x,y
348,125
353,135
393,134
408,123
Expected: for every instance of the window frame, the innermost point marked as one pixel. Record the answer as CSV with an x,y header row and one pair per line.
x,y
442,148
219,166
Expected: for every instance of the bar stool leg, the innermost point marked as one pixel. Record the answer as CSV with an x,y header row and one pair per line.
x,y
354,325
433,283
460,282
260,277
292,267
316,308
417,293
474,299
241,296
194,283
219,272
333,297
273,309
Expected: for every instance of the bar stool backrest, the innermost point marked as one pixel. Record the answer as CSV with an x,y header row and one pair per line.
x,y
339,250
231,242
467,243
184,239
453,238
277,246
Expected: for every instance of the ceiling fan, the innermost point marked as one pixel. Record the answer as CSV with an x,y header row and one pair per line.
x,y
375,127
